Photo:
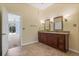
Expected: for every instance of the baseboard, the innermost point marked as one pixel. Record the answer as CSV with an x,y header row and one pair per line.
x,y
74,50
29,43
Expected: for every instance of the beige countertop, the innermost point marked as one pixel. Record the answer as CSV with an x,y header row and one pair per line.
x,y
56,32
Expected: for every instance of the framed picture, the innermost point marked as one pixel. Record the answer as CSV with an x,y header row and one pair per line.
x,y
58,23
47,24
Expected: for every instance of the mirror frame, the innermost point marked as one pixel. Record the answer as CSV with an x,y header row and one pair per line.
x,y
56,18
47,25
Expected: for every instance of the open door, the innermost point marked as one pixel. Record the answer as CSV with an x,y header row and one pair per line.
x,y
14,36
4,31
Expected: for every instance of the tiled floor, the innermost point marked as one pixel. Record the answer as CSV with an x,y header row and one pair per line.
x,y
38,49
14,40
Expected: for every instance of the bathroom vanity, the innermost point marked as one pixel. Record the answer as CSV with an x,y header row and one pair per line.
x,y
58,40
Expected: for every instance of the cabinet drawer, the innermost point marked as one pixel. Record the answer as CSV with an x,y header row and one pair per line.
x,y
61,41
61,46
54,45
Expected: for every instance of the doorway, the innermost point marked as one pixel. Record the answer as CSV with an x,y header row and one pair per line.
x,y
14,27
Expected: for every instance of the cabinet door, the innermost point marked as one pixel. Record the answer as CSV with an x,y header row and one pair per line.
x,y
61,42
42,37
39,36
52,40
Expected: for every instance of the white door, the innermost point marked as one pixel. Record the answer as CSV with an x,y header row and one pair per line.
x,y
4,31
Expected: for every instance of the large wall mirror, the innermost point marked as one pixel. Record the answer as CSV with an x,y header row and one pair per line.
x,y
58,23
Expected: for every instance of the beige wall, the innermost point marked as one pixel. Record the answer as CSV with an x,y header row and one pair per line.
x,y
74,40
29,18
71,13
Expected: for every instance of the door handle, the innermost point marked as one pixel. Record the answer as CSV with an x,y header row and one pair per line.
x,y
3,34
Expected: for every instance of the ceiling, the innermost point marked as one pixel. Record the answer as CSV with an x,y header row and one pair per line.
x,y
41,5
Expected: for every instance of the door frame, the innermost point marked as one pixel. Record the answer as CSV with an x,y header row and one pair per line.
x,y
4,33
20,27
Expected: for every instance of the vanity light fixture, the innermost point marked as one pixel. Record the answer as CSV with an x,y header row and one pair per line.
x,y
51,19
74,25
65,20
42,21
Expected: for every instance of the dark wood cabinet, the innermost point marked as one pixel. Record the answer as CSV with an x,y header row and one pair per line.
x,y
52,40
59,41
